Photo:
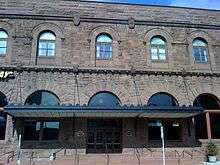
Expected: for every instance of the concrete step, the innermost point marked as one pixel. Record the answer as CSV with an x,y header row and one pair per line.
x,y
115,162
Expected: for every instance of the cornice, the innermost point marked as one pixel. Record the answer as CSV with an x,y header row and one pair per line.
x,y
180,24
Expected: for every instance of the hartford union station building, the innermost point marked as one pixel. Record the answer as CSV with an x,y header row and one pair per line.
x,y
103,77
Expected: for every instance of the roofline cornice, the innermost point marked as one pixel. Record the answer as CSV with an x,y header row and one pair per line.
x,y
147,5
180,24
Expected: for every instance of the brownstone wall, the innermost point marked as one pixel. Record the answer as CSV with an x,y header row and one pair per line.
x,y
75,46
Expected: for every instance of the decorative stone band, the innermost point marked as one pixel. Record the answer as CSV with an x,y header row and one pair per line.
x,y
95,70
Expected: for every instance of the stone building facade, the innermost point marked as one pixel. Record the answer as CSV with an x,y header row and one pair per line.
x,y
74,74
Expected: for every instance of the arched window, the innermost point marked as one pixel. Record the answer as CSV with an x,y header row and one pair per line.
x,y
3,42
200,50
104,99
104,47
162,99
46,44
3,116
42,98
207,101
49,129
158,48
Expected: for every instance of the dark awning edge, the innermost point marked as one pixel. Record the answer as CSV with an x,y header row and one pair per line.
x,y
61,111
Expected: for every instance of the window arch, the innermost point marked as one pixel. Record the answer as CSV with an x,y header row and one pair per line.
x,y
42,98
207,101
200,50
3,116
162,99
46,44
104,47
104,99
158,48
3,42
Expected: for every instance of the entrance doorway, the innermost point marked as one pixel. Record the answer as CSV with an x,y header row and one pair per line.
x,y
104,136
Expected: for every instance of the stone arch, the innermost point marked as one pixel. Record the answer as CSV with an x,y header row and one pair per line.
x,y
210,64
158,32
104,29
169,39
115,42
95,86
37,30
8,28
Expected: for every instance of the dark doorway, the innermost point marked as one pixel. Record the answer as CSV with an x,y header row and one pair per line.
x,y
104,136
215,125
201,127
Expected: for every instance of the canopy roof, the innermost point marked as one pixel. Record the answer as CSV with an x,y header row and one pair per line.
x,y
61,111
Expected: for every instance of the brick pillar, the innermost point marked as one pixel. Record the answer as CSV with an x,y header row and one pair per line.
x,y
208,126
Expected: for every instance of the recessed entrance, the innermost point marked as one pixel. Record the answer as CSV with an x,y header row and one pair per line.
x,y
104,136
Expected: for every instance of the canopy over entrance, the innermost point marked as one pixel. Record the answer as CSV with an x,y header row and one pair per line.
x,y
60,111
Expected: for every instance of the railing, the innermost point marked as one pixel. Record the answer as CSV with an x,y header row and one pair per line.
x,y
11,155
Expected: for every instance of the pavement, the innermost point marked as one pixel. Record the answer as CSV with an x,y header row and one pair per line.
x,y
216,163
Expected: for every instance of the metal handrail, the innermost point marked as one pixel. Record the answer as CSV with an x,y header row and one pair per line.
x,y
11,156
6,153
186,152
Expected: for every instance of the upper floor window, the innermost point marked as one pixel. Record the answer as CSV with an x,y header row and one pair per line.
x,y
3,42
200,50
104,47
46,44
158,48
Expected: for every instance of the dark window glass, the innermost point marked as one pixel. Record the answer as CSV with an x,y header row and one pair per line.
x,y
154,130
104,47
162,99
207,102
104,99
3,100
200,127
215,125
172,130
3,116
3,121
42,98
50,130
32,130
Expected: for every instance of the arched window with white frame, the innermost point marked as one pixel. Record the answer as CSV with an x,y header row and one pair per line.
x,y
200,50
158,48
46,44
3,42
104,47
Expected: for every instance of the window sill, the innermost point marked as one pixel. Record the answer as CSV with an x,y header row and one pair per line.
x,y
3,141
104,59
198,62
169,141
46,57
159,61
2,55
40,141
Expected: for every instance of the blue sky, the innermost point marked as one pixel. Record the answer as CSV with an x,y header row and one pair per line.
x,y
205,4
